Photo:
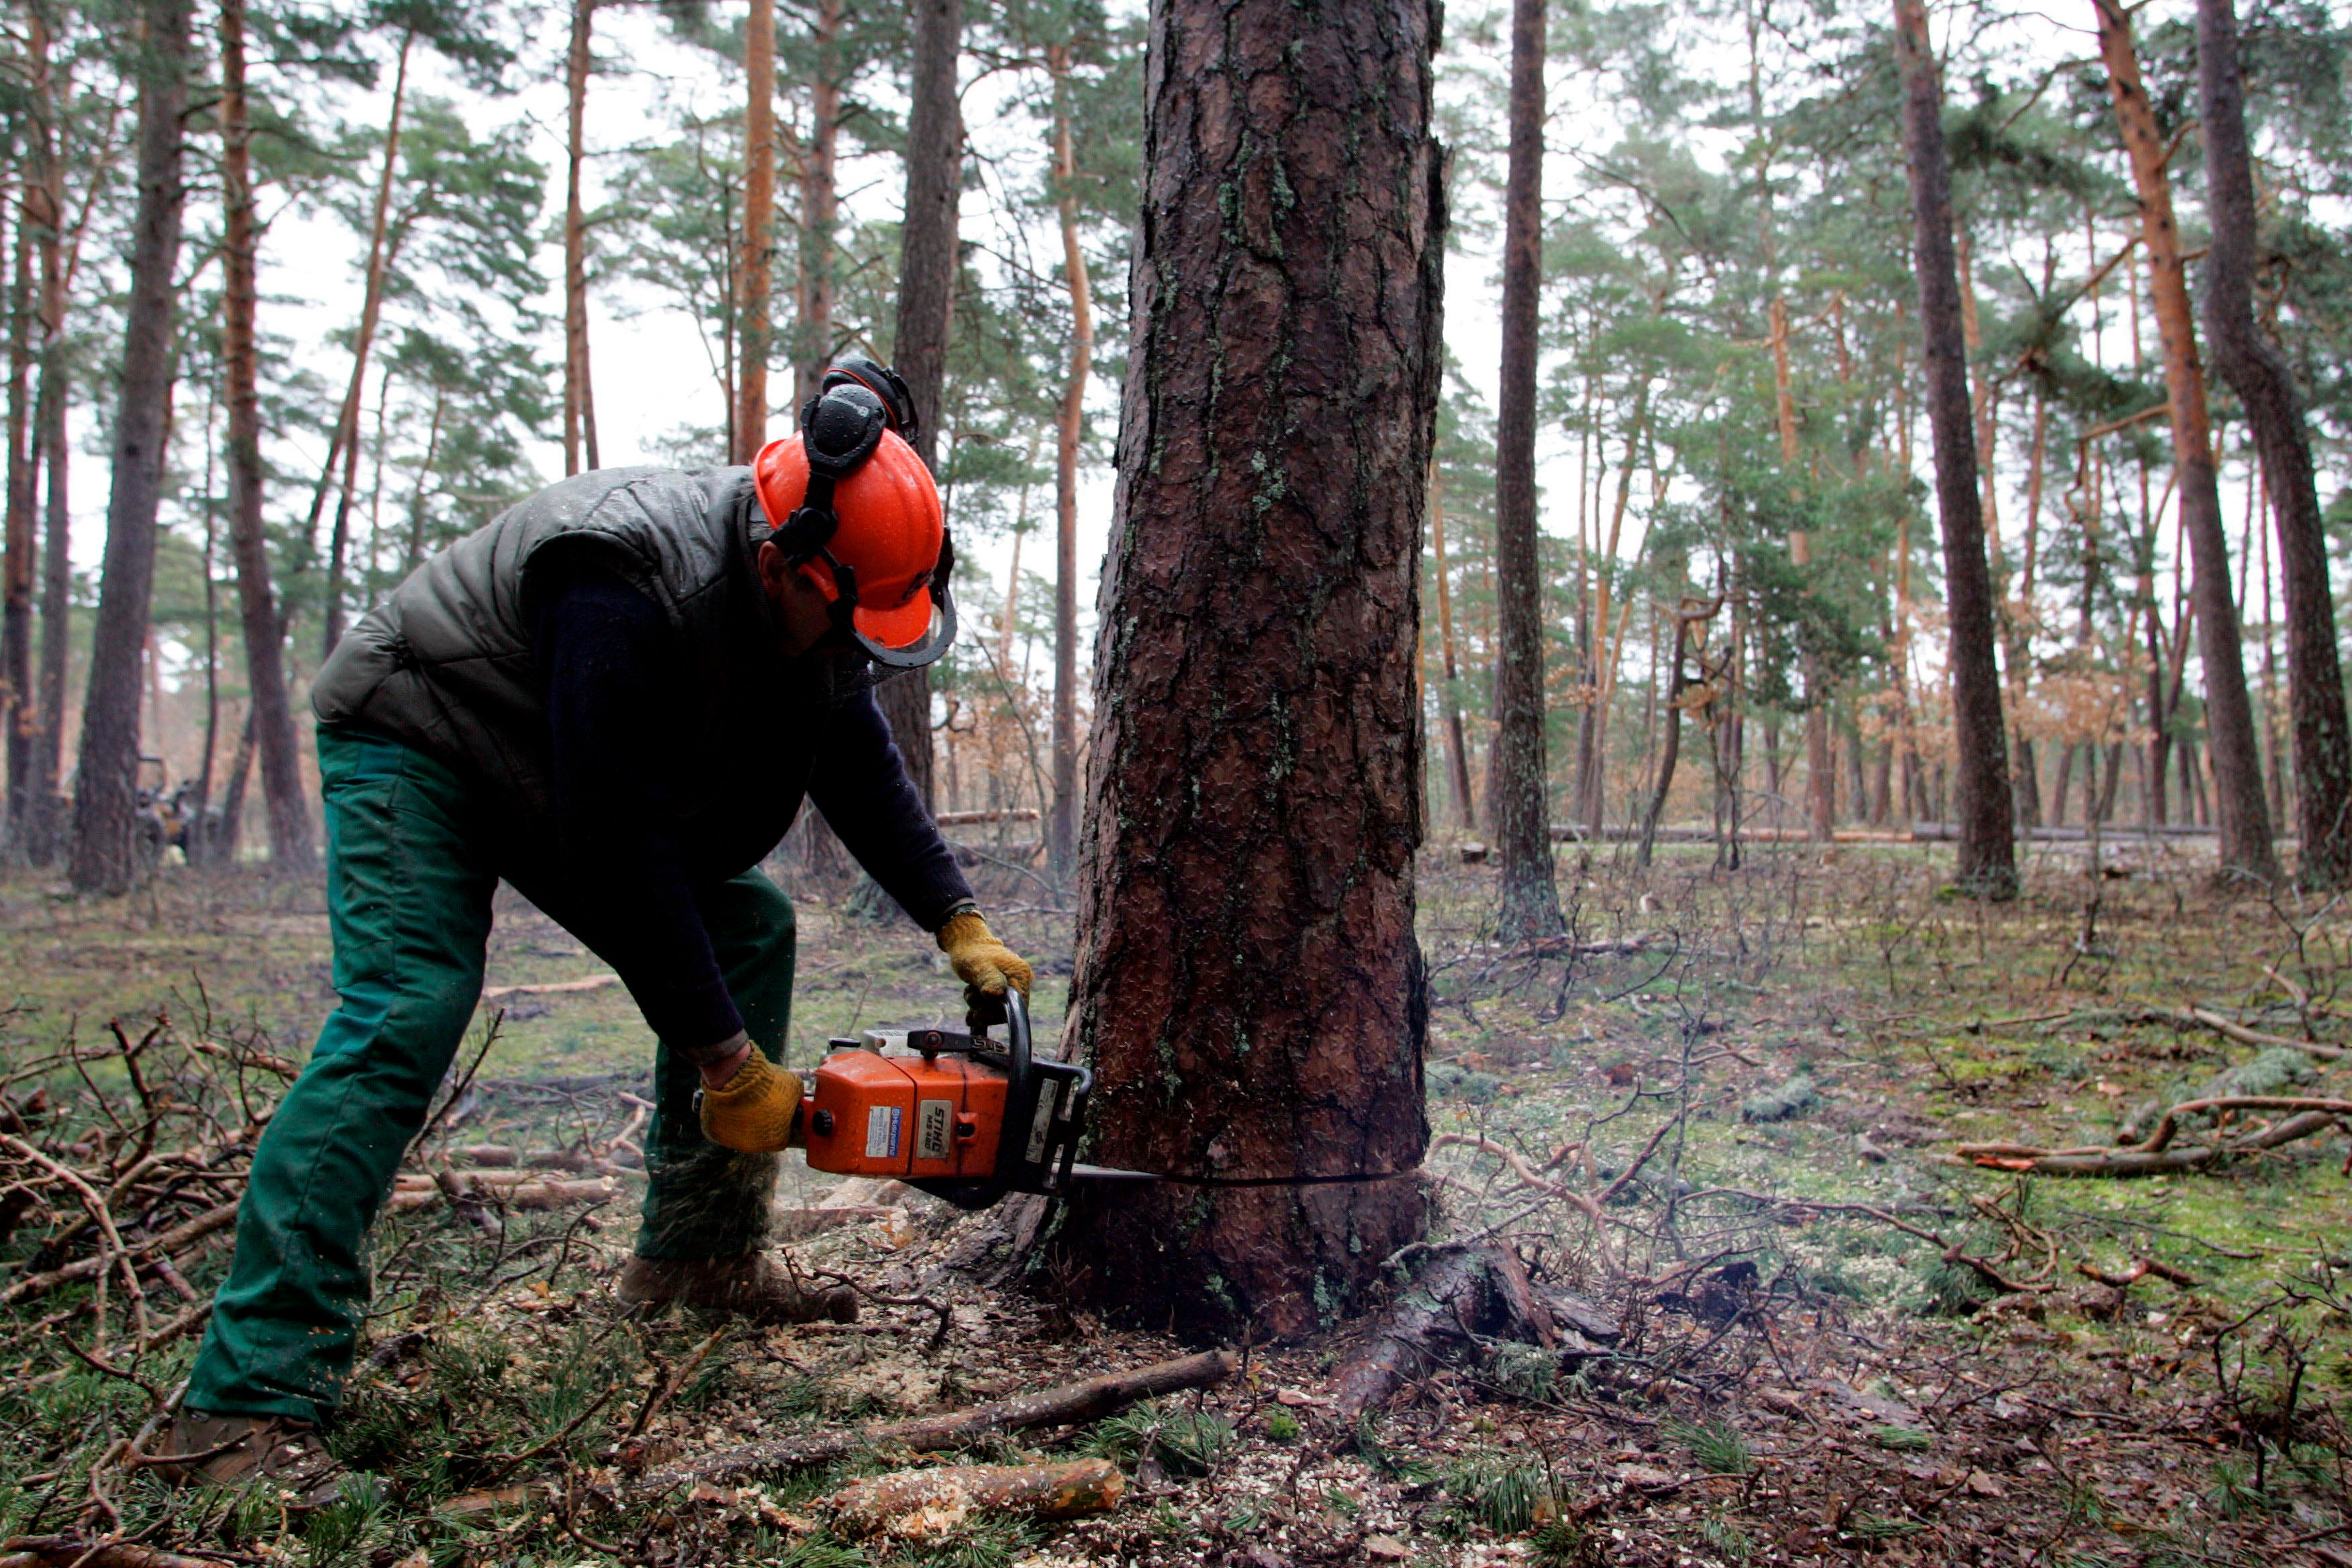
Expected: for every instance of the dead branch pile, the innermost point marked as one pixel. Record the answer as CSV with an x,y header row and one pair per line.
x,y
121,1185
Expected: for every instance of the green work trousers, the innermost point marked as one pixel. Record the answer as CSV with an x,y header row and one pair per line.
x,y
412,862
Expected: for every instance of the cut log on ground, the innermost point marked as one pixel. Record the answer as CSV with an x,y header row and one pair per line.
x,y
1459,1293
513,1189
920,1503
1067,1405
550,988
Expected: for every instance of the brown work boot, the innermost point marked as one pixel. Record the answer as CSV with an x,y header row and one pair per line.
x,y
754,1285
237,1450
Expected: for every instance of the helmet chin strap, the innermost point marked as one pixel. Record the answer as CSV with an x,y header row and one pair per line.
x,y
840,429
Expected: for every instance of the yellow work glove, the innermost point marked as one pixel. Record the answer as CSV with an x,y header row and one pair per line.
x,y
752,1112
985,965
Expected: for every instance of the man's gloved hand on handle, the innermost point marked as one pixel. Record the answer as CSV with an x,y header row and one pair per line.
x,y
748,1108
984,964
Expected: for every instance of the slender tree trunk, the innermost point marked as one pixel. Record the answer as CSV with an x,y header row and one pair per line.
x,y
579,389
1517,792
105,806
1457,751
926,273
345,446
2244,817
751,292
56,565
1987,862
2258,373
291,847
820,201
1670,752
1248,975
1063,839
18,713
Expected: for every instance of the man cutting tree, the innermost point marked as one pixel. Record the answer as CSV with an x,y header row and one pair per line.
x,y
613,696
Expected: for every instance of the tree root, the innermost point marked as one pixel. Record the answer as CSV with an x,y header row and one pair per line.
x,y
1459,1293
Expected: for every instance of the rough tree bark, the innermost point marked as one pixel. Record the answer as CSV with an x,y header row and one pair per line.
x,y
104,805
290,843
1062,836
926,270
1518,805
1988,850
753,271
1457,751
579,388
2241,814
2258,373
1247,977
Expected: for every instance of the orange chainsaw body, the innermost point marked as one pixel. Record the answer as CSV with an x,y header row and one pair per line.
x,y
965,1117
913,1116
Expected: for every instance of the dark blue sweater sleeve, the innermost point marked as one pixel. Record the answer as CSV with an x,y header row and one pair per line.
x,y
604,654
860,783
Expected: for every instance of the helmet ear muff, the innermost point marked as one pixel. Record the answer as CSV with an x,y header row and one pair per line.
x,y
840,428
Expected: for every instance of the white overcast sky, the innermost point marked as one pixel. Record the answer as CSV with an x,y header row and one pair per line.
x,y
651,373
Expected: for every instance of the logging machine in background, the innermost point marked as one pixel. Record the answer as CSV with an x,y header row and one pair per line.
x,y
957,1115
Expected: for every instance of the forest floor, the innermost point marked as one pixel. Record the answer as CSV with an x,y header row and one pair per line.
x,y
1726,1112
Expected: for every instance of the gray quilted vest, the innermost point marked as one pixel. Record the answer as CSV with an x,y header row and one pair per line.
x,y
446,664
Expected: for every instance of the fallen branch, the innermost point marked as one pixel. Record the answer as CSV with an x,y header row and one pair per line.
x,y
2156,1156
1529,1176
916,1503
56,1551
1066,1404
2140,1270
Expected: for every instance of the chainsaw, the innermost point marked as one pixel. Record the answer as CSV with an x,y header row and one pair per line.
x,y
957,1115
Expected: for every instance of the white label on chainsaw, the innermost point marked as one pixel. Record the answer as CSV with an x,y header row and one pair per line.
x,y
934,1124
1049,1100
882,1131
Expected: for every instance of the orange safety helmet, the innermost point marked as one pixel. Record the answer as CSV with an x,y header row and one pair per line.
x,y
854,508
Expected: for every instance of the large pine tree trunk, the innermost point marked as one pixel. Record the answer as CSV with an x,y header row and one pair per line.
x,y
1062,836
290,843
1517,781
926,270
2258,373
1988,850
1248,983
754,271
579,389
2243,814
104,802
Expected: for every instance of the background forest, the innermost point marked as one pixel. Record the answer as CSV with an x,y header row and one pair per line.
x,y
425,247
